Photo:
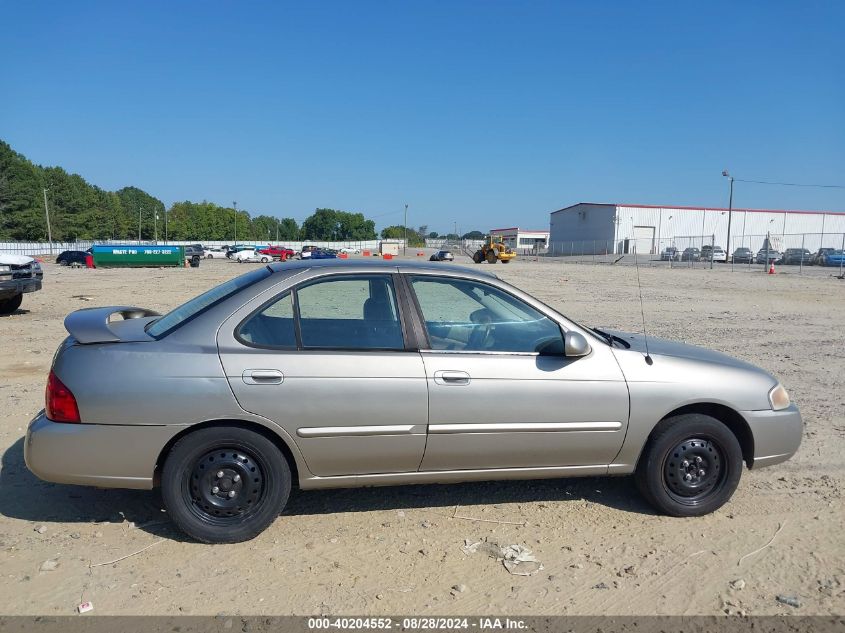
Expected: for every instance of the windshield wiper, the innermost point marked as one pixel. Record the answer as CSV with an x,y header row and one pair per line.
x,y
607,337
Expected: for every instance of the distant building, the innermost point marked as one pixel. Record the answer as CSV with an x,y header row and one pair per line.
x,y
588,228
522,239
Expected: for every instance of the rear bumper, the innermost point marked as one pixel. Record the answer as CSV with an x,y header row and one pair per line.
x,y
95,454
777,435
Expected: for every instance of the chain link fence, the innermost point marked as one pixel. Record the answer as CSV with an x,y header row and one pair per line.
x,y
821,253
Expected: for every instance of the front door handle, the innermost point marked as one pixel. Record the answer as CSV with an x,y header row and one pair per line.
x,y
450,377
263,377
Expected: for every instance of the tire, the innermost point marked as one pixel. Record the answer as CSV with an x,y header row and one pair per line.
x,y
505,261
213,517
209,256
478,257
661,474
7,306
63,262
264,260
491,257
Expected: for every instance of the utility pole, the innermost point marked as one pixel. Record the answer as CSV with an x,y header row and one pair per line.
x,y
165,225
139,224
277,231
47,214
730,212
235,205
155,225
405,245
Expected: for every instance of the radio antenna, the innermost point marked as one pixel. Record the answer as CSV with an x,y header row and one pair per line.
x,y
648,359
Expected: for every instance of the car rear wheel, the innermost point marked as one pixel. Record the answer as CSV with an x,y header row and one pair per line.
x,y
690,466
224,484
7,306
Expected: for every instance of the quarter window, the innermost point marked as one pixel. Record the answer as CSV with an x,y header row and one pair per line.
x,y
350,312
469,316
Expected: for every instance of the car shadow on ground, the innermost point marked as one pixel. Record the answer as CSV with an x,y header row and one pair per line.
x,y
25,497
18,312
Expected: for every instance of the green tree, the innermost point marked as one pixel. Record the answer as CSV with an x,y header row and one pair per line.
x,y
332,225
473,235
397,232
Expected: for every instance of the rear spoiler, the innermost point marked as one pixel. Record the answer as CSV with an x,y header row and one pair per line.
x,y
92,325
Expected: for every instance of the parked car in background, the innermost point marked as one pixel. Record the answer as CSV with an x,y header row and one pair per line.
x,y
237,249
278,252
19,274
348,250
442,256
819,255
767,257
306,251
713,253
323,253
834,258
670,254
796,256
69,258
251,255
244,391
742,255
214,253
691,254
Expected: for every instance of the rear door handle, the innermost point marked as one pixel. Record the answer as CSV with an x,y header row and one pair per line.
x,y
263,377
450,377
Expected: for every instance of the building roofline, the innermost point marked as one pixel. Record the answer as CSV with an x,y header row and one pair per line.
x,y
519,230
684,208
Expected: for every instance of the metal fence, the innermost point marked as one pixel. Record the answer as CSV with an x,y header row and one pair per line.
x,y
796,252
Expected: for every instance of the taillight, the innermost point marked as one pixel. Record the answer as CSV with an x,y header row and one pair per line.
x,y
60,403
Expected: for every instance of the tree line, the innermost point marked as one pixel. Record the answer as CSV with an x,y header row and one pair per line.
x,y
81,211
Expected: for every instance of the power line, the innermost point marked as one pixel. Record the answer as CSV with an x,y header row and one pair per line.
x,y
790,184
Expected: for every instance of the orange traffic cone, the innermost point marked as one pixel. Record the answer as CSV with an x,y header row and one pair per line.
x,y
772,268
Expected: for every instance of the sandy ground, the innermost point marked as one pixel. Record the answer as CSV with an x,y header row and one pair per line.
x,y
398,550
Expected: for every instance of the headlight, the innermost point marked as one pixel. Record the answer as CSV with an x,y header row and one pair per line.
x,y
4,268
779,398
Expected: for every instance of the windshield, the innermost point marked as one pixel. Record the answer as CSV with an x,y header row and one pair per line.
x,y
172,320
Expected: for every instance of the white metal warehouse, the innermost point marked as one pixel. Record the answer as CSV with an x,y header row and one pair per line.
x,y
590,228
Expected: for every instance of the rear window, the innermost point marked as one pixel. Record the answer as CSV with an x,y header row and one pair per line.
x,y
187,311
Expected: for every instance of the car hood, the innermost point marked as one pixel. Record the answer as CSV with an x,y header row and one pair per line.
x,y
15,260
665,347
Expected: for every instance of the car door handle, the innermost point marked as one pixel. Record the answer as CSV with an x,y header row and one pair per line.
x,y
263,377
449,377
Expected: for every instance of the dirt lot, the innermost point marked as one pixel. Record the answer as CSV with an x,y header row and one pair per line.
x,y
398,550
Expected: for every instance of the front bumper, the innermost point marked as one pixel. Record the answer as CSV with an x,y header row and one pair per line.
x,y
777,435
12,287
103,455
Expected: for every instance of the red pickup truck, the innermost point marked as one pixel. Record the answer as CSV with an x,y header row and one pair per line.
x,y
278,251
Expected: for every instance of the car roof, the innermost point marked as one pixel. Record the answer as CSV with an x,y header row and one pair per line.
x,y
370,264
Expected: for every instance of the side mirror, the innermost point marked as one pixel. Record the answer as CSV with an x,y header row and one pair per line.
x,y
575,345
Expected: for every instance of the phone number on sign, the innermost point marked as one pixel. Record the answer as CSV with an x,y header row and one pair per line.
x,y
390,623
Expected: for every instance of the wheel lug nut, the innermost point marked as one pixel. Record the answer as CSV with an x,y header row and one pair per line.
x,y
701,473
236,478
687,477
698,460
685,464
215,490
231,494
219,474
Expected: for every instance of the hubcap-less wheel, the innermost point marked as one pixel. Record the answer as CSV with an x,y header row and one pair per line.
x,y
693,470
226,486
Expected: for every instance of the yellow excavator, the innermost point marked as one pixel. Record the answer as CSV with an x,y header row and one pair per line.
x,y
494,250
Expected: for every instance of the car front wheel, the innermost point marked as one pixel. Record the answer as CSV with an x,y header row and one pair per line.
x,y
690,466
224,484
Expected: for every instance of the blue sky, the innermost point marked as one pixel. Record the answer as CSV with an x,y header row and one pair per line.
x,y
481,113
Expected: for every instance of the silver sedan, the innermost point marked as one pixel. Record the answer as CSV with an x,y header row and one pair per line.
x,y
357,373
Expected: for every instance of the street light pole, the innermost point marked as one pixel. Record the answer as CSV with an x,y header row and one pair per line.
x,y
165,225
155,226
47,214
730,212
405,245
235,205
139,224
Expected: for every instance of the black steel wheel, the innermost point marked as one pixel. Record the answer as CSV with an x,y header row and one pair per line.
x,y
690,466
225,484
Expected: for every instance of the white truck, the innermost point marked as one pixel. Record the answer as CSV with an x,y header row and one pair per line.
x,y
19,274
